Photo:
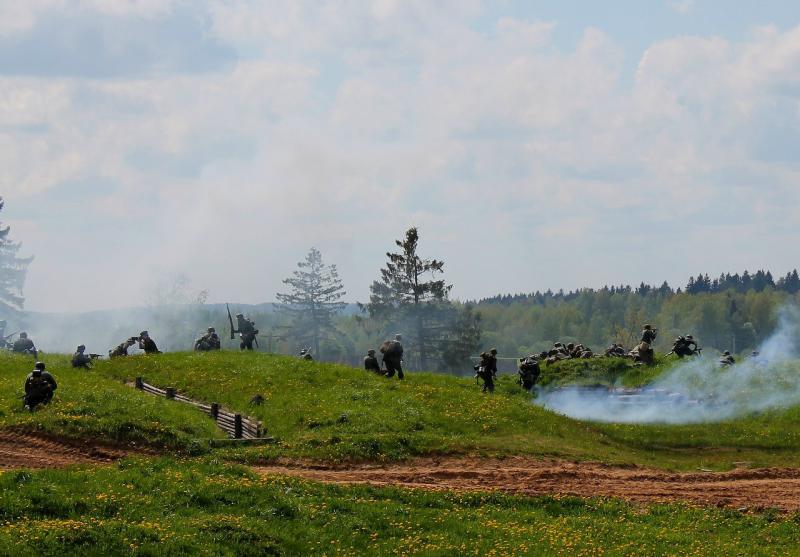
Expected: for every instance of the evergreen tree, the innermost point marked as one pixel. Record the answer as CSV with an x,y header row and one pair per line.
x,y
411,299
13,270
314,299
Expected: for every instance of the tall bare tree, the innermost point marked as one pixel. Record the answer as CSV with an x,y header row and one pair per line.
x,y
314,299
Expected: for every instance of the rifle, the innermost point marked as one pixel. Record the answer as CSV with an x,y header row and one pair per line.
x,y
230,320
9,336
95,356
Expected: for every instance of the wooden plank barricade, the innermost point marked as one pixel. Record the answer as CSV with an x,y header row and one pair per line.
x,y
237,427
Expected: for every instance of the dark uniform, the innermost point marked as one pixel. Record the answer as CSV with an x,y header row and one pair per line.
x,y
81,359
122,348
247,332
24,345
209,341
529,372
148,344
487,369
305,354
685,346
39,387
392,351
371,363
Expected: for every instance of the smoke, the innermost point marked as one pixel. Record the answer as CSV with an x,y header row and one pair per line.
x,y
699,389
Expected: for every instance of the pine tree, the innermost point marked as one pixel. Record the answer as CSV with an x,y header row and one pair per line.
x,y
411,299
13,271
314,299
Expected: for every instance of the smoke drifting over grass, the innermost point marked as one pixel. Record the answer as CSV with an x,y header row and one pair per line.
x,y
699,389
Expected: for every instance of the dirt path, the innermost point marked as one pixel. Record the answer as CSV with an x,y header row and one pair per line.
x,y
18,450
751,489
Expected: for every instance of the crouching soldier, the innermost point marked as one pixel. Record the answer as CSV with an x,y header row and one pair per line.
x,y
727,360
207,342
122,348
529,372
81,359
487,369
371,363
24,345
39,387
148,344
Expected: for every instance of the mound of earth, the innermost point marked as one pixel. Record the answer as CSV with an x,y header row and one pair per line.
x,y
27,450
755,489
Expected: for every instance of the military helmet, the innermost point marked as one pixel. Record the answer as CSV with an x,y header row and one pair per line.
x,y
239,315
39,366
144,334
689,337
23,334
493,351
303,351
211,330
81,347
371,352
398,336
648,327
726,353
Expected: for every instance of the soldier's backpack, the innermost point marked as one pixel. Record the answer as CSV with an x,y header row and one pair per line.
x,y
39,387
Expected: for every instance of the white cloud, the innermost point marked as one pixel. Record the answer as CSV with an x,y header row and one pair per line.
x,y
343,123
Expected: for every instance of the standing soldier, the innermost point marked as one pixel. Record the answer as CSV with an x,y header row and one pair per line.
x,y
148,344
646,354
24,345
371,362
392,351
39,387
247,332
209,341
487,369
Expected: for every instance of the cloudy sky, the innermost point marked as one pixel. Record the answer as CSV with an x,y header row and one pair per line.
x,y
535,144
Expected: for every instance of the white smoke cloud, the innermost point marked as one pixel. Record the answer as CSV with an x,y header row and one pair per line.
x,y
699,390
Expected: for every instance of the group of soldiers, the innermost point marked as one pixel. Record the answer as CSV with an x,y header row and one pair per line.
x,y
528,370
392,356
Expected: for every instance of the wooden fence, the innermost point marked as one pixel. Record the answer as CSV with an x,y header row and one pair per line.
x,y
235,425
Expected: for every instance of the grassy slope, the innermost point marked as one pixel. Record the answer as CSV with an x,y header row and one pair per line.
x,y
334,412
164,507
88,405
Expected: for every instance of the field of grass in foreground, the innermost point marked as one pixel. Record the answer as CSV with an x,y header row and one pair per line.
x,y
333,412
87,405
168,507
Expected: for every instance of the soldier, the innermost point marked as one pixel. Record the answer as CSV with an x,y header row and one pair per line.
x,y
147,344
122,348
487,369
645,352
247,332
392,351
305,354
371,362
727,360
80,359
39,387
207,342
24,345
685,346
529,372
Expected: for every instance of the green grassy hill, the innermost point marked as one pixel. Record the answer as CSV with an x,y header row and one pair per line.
x,y
327,411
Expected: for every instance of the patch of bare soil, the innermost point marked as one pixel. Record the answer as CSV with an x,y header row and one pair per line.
x,y
754,489
27,450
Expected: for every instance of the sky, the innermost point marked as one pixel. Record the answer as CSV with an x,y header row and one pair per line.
x,y
534,144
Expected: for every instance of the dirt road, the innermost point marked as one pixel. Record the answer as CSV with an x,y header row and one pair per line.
x,y
752,489
18,450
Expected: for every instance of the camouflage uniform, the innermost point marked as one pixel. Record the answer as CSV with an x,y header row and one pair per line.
x,y
122,348
529,372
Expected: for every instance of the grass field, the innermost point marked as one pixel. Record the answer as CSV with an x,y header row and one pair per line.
x,y
167,507
197,501
88,405
327,411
